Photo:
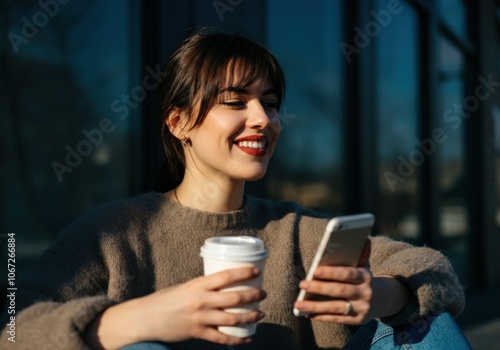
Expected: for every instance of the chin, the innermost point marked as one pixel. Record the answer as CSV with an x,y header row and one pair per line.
x,y
253,175
256,177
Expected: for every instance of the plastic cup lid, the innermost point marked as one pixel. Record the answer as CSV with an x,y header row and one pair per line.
x,y
239,248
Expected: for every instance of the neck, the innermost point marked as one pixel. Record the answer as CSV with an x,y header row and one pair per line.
x,y
208,194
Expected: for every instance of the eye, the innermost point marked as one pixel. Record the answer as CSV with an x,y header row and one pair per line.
x,y
234,103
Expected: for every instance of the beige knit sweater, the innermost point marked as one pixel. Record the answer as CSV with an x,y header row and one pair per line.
x,y
131,248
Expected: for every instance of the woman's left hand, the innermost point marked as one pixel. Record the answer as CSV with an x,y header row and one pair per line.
x,y
351,290
369,297
357,297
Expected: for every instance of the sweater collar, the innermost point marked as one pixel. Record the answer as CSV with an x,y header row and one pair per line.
x,y
231,220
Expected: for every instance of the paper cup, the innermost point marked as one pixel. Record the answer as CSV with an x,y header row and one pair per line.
x,y
224,253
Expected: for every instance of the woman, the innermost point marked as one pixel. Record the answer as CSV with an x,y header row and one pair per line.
x,y
127,274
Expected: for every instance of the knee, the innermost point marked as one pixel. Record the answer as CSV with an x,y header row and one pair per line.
x,y
434,323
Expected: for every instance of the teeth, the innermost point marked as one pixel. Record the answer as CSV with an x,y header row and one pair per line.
x,y
252,144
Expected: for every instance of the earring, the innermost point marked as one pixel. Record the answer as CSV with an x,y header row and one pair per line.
x,y
184,141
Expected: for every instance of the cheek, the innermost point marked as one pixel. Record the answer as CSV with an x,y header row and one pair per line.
x,y
226,127
216,125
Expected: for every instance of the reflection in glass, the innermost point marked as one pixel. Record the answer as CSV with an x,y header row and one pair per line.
x,y
495,114
57,87
452,12
306,165
453,220
397,111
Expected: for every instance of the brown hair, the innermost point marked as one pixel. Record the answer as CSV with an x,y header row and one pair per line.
x,y
193,77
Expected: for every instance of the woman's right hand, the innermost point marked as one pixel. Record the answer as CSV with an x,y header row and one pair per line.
x,y
193,309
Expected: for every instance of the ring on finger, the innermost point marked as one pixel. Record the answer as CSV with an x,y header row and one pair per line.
x,y
348,308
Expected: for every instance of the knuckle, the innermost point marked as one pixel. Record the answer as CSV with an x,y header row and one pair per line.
x,y
342,289
317,287
232,320
363,309
219,338
197,320
351,274
225,277
312,308
365,293
237,298
369,294
196,304
253,317
367,276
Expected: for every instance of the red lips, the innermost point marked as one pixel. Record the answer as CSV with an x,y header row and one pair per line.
x,y
253,138
262,138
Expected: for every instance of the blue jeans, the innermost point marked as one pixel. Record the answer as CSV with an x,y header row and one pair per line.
x,y
434,332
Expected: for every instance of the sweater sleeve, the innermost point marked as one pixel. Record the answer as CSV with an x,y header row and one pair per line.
x,y
64,293
54,325
427,272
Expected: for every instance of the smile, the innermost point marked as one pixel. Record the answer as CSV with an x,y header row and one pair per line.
x,y
253,145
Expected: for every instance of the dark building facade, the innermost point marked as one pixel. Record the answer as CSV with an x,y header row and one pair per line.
x,y
393,107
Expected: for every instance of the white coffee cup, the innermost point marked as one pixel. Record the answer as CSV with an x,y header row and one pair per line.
x,y
224,253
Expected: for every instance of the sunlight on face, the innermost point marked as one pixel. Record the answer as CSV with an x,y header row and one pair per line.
x,y
238,135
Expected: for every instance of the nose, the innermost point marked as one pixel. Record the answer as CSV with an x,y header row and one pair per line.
x,y
258,116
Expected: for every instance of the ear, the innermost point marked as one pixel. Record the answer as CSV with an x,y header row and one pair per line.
x,y
176,122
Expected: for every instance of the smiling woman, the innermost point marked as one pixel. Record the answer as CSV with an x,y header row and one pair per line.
x,y
128,273
234,145
214,70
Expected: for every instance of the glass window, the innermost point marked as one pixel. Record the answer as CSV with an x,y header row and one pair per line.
x,y
306,167
453,108
67,114
397,84
453,13
495,114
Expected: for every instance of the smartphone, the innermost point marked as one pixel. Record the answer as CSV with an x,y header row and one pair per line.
x,y
341,245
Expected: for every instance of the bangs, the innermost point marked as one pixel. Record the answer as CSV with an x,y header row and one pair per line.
x,y
241,73
232,61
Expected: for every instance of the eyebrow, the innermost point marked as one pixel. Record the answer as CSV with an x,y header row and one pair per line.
x,y
270,91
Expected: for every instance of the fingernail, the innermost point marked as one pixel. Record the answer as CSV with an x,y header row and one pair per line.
x,y
262,295
261,315
255,271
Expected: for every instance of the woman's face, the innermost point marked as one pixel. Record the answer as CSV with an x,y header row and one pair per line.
x,y
238,135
